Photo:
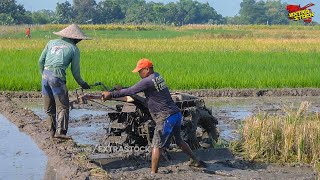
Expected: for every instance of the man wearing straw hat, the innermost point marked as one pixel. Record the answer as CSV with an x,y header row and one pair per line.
x,y
57,55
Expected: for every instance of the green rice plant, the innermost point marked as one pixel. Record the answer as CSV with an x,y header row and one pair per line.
x,y
189,70
292,137
209,58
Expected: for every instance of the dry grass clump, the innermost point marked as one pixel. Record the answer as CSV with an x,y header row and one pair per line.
x,y
293,137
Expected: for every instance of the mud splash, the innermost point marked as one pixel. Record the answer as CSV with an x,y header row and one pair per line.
x,y
20,156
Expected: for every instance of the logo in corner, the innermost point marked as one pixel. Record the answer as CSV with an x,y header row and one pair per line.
x,y
296,12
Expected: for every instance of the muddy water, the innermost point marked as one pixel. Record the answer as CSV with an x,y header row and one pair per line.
x,y
20,156
86,126
229,111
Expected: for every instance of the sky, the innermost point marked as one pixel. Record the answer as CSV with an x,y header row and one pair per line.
x,y
224,7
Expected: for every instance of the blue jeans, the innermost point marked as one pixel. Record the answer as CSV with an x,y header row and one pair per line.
x,y
56,101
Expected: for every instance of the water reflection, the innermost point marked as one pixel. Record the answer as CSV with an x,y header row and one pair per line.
x,y
20,156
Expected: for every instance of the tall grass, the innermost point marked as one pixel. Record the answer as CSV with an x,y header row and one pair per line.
x,y
293,137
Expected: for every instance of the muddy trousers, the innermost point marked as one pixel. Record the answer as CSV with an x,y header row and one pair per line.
x,y
56,102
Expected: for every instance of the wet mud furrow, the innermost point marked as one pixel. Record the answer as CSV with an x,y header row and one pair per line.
x,y
62,161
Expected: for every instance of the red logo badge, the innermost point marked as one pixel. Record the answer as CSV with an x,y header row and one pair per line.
x,y
297,13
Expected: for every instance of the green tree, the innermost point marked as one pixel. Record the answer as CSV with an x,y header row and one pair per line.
x,y
246,7
159,11
43,17
85,11
13,11
232,20
191,12
155,13
136,12
186,12
208,14
252,12
259,13
64,13
6,19
170,15
127,4
109,11
276,12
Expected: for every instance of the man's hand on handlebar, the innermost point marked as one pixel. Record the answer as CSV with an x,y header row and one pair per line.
x,y
106,95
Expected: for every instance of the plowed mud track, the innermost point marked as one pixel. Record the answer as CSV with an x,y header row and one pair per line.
x,y
66,162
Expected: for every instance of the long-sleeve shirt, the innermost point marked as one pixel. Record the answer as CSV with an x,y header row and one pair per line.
x,y
156,91
56,57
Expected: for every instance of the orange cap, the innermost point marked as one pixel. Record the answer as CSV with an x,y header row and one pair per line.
x,y
143,63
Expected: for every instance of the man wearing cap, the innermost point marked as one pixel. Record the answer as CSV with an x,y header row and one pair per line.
x,y
162,108
57,55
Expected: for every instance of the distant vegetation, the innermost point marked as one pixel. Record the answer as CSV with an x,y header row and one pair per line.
x,y
177,13
189,57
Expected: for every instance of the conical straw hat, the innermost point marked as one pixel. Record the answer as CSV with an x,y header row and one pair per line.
x,y
73,32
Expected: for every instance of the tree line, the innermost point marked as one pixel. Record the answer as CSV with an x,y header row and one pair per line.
x,y
139,11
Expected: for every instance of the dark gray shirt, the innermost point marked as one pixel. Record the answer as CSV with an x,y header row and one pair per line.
x,y
156,91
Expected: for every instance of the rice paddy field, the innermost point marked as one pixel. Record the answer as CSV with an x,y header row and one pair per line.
x,y
188,57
